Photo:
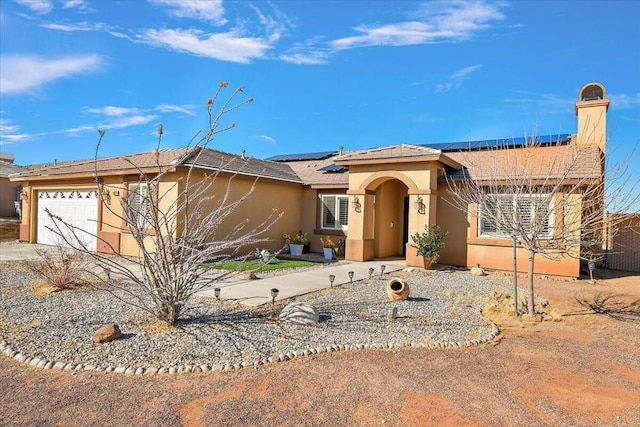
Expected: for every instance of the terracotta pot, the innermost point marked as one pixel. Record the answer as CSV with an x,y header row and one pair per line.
x,y
428,265
397,289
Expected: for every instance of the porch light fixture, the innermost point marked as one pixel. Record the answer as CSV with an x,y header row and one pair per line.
x,y
216,292
356,203
106,195
332,278
24,195
382,267
274,294
419,204
350,276
370,273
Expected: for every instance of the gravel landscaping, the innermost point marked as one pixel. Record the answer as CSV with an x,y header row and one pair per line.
x,y
444,309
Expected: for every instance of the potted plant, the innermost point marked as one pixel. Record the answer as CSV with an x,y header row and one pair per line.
x,y
327,246
295,242
428,244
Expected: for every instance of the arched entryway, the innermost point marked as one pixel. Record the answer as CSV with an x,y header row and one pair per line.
x,y
393,194
391,218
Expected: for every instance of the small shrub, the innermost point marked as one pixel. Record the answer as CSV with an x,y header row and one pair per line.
x,y
60,267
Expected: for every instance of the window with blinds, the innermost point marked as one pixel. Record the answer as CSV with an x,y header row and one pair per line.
x,y
500,215
335,212
140,203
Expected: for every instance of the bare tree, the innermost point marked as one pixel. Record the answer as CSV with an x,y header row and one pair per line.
x,y
549,198
176,223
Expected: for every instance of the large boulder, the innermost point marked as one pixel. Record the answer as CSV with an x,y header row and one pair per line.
x,y
107,333
300,313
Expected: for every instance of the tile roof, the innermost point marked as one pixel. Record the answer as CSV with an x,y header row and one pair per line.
x,y
7,169
311,174
403,151
149,161
213,159
538,162
105,166
395,153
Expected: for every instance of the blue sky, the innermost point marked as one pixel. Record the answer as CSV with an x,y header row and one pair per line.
x,y
323,74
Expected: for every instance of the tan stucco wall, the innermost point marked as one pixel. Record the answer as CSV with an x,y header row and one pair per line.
x,y
267,196
312,218
454,222
497,253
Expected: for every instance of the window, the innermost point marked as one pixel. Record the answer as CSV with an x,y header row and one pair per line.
x,y
335,212
501,214
140,203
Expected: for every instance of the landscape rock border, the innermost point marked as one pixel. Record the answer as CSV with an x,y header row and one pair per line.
x,y
37,362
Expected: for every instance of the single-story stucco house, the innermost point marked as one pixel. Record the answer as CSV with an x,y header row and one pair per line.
x,y
9,191
373,199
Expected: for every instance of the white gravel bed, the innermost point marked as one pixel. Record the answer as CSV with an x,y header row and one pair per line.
x,y
443,310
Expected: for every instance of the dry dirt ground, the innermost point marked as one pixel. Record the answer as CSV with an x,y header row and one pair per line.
x,y
583,370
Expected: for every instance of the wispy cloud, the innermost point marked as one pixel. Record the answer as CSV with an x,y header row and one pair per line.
x,y
111,111
433,22
624,100
436,22
81,5
550,103
170,108
210,11
230,46
22,73
274,26
41,7
307,53
456,79
267,138
10,133
79,26
119,117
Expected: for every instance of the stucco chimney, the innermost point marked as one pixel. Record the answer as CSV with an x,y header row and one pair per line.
x,y
591,110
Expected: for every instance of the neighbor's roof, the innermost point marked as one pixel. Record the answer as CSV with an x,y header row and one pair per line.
x,y
7,169
538,162
150,161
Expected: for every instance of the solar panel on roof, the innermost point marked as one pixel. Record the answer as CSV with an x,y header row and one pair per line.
x,y
302,156
504,142
333,168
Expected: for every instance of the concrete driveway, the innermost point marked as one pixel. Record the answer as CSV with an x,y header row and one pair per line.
x,y
12,251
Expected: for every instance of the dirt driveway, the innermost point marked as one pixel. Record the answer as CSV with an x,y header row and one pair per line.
x,y
583,370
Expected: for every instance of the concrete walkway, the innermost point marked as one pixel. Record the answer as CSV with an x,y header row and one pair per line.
x,y
258,292
255,292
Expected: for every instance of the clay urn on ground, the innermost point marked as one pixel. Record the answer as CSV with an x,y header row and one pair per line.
x,y
397,289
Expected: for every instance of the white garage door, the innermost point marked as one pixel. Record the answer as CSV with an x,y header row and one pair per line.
x,y
77,207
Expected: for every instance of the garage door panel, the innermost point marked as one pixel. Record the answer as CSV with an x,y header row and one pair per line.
x,y
77,207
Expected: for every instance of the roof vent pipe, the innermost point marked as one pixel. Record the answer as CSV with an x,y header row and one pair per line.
x,y
242,156
341,150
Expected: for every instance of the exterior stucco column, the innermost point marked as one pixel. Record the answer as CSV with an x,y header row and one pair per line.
x,y
422,212
360,243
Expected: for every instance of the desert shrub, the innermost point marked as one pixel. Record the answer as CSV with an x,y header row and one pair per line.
x,y
61,267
